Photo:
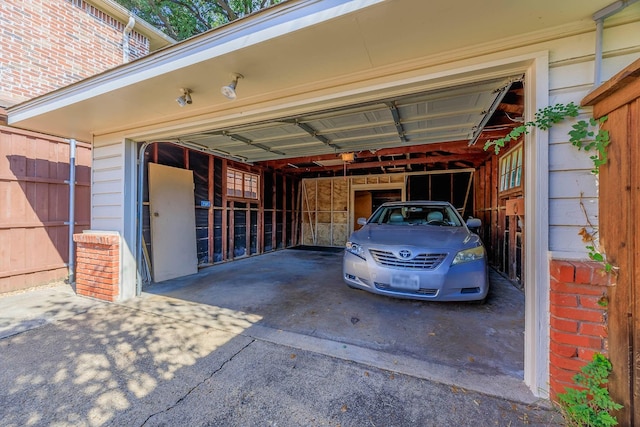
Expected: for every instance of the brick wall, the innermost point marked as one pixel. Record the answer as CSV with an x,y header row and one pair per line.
x,y
48,44
578,323
98,265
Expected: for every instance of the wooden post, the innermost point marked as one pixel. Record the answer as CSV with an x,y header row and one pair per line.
x,y
210,217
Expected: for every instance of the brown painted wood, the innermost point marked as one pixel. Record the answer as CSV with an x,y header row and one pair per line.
x,y
225,213
634,155
260,231
614,227
362,207
475,158
33,170
618,99
274,245
284,211
210,217
231,234
613,87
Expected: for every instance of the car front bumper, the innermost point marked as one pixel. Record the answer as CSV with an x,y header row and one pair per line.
x,y
461,282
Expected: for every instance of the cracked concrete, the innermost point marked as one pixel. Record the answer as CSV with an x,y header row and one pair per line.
x,y
235,349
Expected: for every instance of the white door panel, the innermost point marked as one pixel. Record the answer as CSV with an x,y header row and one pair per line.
x,y
173,223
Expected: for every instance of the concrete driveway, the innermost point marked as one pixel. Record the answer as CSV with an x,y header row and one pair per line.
x,y
300,294
270,340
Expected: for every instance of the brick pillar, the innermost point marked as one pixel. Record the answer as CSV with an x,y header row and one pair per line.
x,y
578,321
98,265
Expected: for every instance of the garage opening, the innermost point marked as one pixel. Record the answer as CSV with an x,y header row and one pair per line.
x,y
304,180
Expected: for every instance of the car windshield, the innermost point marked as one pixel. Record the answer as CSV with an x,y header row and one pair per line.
x,y
441,215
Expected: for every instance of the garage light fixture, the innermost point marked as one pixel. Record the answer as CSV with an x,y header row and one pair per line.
x,y
185,98
230,90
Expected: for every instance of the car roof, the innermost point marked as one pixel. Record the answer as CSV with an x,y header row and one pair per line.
x,y
417,203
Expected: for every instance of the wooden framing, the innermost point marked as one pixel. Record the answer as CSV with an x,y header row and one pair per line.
x,y
254,209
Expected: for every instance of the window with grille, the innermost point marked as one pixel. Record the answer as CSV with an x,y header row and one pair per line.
x,y
242,184
511,169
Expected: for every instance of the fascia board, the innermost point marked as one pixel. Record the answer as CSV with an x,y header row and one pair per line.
x,y
226,40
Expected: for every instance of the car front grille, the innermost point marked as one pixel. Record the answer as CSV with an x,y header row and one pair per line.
x,y
421,291
419,262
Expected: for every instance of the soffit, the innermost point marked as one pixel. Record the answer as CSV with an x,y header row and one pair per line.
x,y
286,53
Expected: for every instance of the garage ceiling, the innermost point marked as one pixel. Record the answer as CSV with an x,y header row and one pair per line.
x,y
384,135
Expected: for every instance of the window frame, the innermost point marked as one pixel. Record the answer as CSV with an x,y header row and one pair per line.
x,y
239,178
511,170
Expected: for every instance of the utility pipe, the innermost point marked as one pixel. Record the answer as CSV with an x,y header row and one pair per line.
x,y
599,18
125,39
72,209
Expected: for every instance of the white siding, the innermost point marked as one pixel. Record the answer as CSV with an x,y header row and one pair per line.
x,y
570,179
107,187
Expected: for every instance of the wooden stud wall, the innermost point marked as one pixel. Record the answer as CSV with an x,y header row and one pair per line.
x,y
253,210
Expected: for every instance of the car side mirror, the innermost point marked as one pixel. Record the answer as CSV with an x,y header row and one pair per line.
x,y
362,221
474,223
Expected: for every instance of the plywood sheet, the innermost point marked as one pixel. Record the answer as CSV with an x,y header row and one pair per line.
x,y
324,195
339,218
340,194
339,234
324,217
324,235
307,235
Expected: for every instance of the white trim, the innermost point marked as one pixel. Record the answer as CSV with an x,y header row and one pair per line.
x,y
402,186
238,35
536,266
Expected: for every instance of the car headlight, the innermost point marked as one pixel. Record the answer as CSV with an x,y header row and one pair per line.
x,y
469,255
355,249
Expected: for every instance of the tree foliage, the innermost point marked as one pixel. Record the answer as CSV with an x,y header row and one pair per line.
x,y
181,19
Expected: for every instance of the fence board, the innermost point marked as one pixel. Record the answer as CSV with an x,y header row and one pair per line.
x,y
34,206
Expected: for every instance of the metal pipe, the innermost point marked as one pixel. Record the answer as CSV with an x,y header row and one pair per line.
x,y
72,209
139,222
597,66
126,33
599,18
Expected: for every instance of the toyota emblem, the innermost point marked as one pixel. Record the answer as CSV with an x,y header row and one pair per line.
x,y
405,253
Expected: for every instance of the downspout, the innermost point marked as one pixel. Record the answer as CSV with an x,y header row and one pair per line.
x,y
139,256
125,39
599,18
72,209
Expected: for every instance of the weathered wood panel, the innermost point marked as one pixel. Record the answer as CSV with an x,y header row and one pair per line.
x,y
619,213
34,206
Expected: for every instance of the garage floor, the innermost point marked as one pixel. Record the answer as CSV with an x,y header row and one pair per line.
x,y
297,297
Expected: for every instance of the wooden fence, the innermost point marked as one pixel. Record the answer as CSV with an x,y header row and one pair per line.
x,y
34,206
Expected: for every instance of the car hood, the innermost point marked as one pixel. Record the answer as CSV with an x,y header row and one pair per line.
x,y
418,235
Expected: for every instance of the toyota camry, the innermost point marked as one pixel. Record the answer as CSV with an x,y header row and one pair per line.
x,y
419,250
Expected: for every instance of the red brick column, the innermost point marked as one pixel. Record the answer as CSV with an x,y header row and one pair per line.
x,y
578,321
98,265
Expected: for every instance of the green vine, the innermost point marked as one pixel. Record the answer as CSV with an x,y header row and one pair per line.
x,y
590,404
583,135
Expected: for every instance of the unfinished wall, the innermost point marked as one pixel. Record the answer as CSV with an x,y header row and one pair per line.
x,y
327,217
229,227
325,205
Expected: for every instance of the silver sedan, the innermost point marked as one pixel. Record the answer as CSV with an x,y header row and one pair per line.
x,y
419,250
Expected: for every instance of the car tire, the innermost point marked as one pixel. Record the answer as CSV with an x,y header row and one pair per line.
x,y
482,301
